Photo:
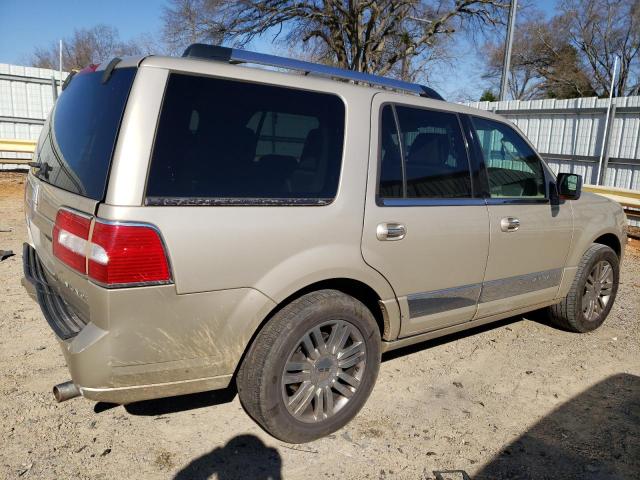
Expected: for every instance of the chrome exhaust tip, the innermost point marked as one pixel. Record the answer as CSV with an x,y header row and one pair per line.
x,y
65,391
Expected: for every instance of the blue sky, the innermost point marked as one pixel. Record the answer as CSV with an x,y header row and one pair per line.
x,y
27,24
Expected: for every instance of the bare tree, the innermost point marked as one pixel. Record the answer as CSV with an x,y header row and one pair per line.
x,y
374,36
600,30
84,47
544,63
524,82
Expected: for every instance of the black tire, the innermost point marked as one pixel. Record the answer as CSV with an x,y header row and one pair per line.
x,y
568,314
260,377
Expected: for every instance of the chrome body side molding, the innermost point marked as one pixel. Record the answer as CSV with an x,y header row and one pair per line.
x,y
428,303
438,301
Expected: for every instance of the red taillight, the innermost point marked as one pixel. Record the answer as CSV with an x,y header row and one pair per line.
x,y
70,239
127,254
118,254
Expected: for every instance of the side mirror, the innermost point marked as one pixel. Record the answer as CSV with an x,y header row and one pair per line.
x,y
569,186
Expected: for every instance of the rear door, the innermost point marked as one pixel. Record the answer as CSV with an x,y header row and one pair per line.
x,y
530,234
425,229
74,152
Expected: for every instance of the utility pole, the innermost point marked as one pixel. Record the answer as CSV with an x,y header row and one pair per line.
x,y
605,132
504,84
60,64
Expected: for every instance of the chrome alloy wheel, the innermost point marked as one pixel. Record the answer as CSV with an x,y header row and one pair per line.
x,y
597,290
323,371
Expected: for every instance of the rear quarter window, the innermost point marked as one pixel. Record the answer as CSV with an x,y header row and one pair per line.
x,y
242,143
76,152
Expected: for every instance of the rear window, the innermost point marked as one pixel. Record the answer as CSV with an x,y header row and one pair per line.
x,y
78,147
233,142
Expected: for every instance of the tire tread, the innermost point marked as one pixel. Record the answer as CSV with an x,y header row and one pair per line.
x,y
565,314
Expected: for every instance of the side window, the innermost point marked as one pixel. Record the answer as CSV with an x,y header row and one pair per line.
x,y
390,185
281,133
434,156
513,168
436,162
230,140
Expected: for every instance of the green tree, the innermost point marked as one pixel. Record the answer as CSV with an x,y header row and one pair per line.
x,y
488,96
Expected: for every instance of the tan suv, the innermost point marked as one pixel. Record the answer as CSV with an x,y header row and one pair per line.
x,y
194,222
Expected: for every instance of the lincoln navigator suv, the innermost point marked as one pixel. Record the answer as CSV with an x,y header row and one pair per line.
x,y
235,219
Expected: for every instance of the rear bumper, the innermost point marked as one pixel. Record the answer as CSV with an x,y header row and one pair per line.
x,y
60,316
149,342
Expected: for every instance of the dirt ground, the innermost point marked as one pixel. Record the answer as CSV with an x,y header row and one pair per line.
x,y
517,399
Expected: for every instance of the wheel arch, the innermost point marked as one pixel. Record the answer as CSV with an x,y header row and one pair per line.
x,y
612,241
350,286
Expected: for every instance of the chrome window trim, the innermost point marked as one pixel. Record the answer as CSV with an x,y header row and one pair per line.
x,y
429,202
516,201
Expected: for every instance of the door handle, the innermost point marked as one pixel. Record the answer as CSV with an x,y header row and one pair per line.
x,y
509,224
391,231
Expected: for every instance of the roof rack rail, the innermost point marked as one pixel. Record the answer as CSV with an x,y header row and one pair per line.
x,y
237,55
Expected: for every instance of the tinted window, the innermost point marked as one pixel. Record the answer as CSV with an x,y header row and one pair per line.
x,y
225,139
390,157
436,163
84,126
513,168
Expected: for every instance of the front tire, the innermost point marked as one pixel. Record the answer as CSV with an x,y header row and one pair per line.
x,y
592,293
312,367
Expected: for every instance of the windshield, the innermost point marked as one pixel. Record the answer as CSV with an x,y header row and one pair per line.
x,y
76,153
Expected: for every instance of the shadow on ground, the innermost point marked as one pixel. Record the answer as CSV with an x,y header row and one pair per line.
x,y
596,435
452,337
243,457
179,403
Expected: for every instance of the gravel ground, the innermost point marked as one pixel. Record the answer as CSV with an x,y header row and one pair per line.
x,y
517,399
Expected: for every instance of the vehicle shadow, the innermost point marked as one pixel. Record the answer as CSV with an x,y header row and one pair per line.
x,y
194,401
180,403
452,337
595,435
243,457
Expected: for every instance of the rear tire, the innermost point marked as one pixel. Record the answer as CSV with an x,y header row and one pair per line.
x,y
592,293
312,367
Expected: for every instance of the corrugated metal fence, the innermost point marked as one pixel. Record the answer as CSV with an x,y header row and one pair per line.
x,y
569,135
26,98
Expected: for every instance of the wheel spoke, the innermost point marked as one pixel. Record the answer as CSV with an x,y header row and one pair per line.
x,y
335,331
302,397
349,362
321,347
343,390
298,366
312,353
340,338
592,306
350,350
318,404
586,301
606,269
354,382
328,400
299,377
